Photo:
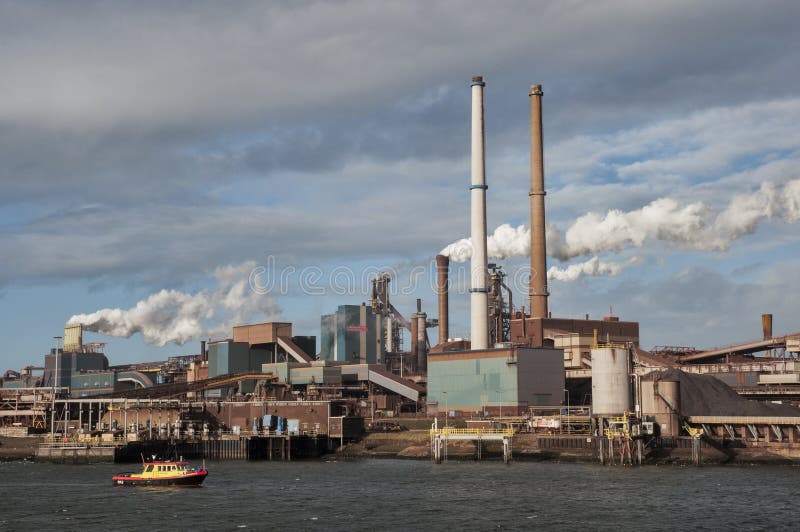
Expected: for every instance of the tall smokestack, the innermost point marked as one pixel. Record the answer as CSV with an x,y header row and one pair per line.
x,y
479,321
203,351
538,284
442,274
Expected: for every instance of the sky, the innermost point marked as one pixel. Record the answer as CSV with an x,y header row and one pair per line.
x,y
170,169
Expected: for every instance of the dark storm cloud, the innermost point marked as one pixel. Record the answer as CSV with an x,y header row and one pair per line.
x,y
113,93
352,117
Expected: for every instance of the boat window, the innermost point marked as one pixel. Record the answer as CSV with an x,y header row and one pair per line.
x,y
149,468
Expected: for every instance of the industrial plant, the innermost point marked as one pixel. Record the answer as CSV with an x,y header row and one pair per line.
x,y
526,382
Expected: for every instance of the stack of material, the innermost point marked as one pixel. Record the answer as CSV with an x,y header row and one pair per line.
x,y
704,395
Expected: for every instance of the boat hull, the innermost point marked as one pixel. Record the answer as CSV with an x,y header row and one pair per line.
x,y
194,479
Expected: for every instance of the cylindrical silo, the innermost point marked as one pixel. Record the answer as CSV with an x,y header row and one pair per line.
x,y
611,384
661,402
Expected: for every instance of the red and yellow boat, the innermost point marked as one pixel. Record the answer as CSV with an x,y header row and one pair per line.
x,y
163,473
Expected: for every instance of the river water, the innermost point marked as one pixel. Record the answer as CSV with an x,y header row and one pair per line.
x,y
404,495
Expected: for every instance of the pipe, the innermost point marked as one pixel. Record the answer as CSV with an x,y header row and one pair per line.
x,y
443,273
538,284
479,320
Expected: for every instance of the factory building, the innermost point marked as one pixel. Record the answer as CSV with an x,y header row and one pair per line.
x,y
575,336
227,356
251,347
354,334
488,380
84,369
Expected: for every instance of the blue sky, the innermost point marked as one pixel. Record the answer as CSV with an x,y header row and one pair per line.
x,y
145,146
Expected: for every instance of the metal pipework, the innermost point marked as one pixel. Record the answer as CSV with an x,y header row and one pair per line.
x,y
538,284
442,288
479,321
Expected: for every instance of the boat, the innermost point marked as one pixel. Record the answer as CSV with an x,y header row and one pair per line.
x,y
163,473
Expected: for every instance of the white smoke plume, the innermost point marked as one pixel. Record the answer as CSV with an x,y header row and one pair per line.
x,y
179,317
593,267
690,226
506,242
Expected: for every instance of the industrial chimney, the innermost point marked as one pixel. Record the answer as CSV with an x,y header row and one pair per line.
x,y
538,284
479,322
766,326
442,274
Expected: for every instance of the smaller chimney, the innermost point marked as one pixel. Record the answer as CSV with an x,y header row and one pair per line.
x,y
203,350
766,326
442,277
414,337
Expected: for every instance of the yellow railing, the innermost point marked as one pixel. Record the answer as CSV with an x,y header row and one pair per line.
x,y
450,431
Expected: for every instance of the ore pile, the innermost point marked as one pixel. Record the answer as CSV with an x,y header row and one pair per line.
x,y
705,395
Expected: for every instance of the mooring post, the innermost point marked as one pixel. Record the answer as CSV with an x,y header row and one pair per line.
x,y
602,450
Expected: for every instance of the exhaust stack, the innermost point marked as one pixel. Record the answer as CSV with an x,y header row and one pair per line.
x,y
442,275
538,283
766,326
479,321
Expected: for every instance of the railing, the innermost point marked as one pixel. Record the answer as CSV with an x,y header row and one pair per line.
x,y
449,431
74,444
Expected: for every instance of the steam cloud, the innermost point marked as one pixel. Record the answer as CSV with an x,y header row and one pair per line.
x,y
690,226
173,316
593,267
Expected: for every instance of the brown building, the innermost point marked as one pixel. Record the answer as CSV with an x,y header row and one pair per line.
x,y
575,336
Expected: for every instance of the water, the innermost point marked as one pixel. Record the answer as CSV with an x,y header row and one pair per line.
x,y
403,495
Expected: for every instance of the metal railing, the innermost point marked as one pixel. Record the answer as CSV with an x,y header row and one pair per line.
x,y
450,431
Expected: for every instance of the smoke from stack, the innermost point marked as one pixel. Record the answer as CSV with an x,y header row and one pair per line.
x,y
593,267
179,317
692,226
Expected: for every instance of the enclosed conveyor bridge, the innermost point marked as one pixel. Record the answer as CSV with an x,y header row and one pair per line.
x,y
182,388
746,348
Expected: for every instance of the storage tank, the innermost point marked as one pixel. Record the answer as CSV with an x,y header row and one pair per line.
x,y
611,387
661,401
